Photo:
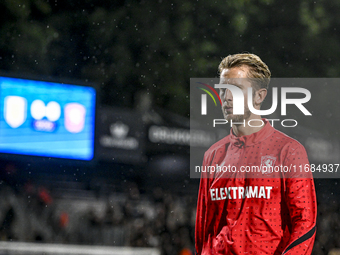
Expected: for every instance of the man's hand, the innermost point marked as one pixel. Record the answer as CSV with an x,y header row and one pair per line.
x,y
218,246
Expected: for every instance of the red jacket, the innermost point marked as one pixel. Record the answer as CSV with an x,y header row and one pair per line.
x,y
264,211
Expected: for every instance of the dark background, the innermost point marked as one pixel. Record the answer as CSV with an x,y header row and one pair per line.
x,y
156,46
149,50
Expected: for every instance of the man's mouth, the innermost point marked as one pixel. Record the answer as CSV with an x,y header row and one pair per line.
x,y
228,109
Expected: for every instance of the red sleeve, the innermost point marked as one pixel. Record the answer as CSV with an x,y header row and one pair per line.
x,y
300,199
201,214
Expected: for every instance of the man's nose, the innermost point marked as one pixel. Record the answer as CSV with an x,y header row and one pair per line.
x,y
228,96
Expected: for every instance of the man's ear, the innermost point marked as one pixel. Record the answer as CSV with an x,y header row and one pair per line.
x,y
260,95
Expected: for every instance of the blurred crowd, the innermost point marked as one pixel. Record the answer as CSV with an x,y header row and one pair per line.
x,y
158,218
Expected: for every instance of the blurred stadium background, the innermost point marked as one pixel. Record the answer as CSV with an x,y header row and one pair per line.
x,y
135,196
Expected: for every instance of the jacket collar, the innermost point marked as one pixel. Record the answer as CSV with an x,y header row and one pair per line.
x,y
253,138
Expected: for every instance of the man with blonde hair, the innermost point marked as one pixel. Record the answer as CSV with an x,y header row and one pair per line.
x,y
254,212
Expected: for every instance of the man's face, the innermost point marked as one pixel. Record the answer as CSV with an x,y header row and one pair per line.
x,y
235,76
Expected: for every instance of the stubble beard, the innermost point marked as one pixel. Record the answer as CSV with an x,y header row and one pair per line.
x,y
238,118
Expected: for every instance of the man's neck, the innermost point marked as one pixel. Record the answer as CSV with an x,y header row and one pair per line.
x,y
241,130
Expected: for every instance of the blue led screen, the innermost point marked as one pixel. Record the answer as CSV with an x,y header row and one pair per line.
x,y
47,119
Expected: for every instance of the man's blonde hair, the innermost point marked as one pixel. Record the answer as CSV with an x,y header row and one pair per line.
x,y
257,68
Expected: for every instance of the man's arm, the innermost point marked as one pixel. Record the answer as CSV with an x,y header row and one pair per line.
x,y
200,216
300,199
201,213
